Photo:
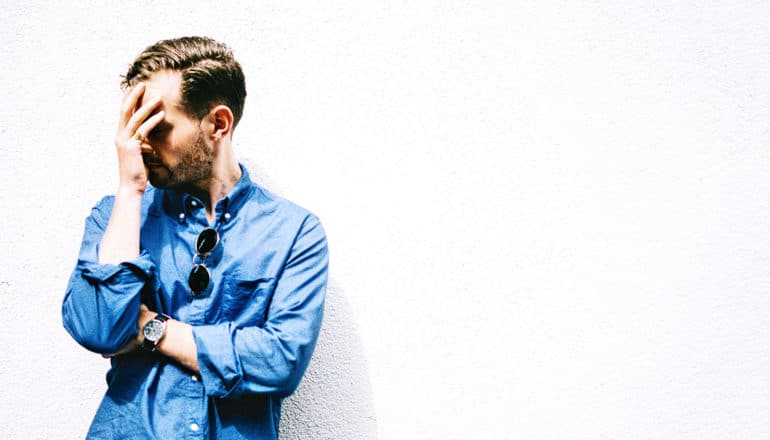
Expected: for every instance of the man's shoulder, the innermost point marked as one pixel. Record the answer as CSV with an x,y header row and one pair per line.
x,y
272,204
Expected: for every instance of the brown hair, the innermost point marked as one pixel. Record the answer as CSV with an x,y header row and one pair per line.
x,y
210,74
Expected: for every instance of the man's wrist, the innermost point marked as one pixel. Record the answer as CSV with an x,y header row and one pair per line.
x,y
127,191
145,316
154,331
170,324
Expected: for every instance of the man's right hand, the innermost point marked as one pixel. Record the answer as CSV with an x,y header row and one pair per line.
x,y
121,238
134,126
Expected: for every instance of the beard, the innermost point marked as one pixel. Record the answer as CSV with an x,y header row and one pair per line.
x,y
194,166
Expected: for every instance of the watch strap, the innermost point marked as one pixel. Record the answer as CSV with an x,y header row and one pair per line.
x,y
162,317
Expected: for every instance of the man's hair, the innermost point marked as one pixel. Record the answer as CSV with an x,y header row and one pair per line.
x,y
210,74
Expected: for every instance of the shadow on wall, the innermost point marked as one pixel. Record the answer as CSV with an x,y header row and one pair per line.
x,y
334,400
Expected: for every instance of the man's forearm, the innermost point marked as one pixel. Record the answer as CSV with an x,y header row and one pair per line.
x,y
178,344
121,238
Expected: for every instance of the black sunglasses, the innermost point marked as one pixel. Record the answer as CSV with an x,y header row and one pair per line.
x,y
200,277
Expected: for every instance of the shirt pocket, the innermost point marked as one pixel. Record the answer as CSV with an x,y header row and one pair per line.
x,y
246,299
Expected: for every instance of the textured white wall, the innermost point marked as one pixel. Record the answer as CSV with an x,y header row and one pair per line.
x,y
547,219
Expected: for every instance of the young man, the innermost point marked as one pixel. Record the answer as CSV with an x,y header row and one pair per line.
x,y
205,290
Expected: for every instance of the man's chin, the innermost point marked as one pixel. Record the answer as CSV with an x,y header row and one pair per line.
x,y
159,178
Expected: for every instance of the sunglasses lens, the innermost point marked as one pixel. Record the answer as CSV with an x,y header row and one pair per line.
x,y
199,278
207,241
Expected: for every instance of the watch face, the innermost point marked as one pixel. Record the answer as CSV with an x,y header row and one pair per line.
x,y
153,330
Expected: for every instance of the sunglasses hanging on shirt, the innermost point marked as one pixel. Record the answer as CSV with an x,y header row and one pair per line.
x,y
200,277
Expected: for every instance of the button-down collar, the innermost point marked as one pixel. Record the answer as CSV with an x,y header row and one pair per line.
x,y
179,205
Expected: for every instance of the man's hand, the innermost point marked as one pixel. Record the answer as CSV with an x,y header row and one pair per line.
x,y
145,315
134,126
121,238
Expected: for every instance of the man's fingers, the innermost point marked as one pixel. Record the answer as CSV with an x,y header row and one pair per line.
x,y
144,130
129,103
140,115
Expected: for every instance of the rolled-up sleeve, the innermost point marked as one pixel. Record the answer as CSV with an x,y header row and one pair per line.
x,y
101,303
271,359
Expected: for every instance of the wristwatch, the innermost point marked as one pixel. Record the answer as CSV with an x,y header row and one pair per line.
x,y
153,331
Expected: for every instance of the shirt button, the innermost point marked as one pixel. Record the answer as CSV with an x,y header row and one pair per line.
x,y
181,216
227,216
194,427
194,203
194,378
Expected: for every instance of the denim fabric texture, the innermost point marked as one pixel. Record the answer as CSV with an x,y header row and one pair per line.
x,y
255,326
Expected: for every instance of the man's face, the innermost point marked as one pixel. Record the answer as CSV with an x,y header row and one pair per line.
x,y
181,155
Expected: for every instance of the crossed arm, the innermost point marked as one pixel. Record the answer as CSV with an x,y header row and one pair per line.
x,y
177,343
102,310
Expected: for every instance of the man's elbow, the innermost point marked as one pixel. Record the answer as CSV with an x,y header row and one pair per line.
x,y
93,336
288,374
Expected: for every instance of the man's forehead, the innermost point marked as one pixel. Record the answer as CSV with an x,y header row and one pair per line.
x,y
164,83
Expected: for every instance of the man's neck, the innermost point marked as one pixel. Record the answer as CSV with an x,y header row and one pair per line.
x,y
225,173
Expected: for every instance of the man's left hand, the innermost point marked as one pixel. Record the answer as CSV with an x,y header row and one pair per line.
x,y
145,315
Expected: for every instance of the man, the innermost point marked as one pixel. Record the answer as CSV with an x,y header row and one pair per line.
x,y
205,290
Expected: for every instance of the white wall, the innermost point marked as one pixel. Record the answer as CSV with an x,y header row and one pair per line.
x,y
547,220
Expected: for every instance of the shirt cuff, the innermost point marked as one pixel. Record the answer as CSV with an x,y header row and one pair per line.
x,y
219,366
141,267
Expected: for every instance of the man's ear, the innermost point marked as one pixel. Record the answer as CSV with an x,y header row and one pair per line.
x,y
220,120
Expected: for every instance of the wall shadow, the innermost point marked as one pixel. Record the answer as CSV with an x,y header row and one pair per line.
x,y
334,400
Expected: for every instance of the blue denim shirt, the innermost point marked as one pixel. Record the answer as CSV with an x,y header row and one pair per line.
x,y
255,326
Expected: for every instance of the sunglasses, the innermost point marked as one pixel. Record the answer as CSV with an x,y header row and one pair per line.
x,y
200,277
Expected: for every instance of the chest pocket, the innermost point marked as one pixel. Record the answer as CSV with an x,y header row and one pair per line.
x,y
245,300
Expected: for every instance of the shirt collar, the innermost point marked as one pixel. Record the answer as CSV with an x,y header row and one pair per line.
x,y
233,202
176,203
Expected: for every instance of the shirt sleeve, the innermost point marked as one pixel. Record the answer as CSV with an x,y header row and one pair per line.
x,y
101,303
271,359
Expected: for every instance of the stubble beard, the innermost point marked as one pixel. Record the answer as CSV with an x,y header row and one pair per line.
x,y
193,169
